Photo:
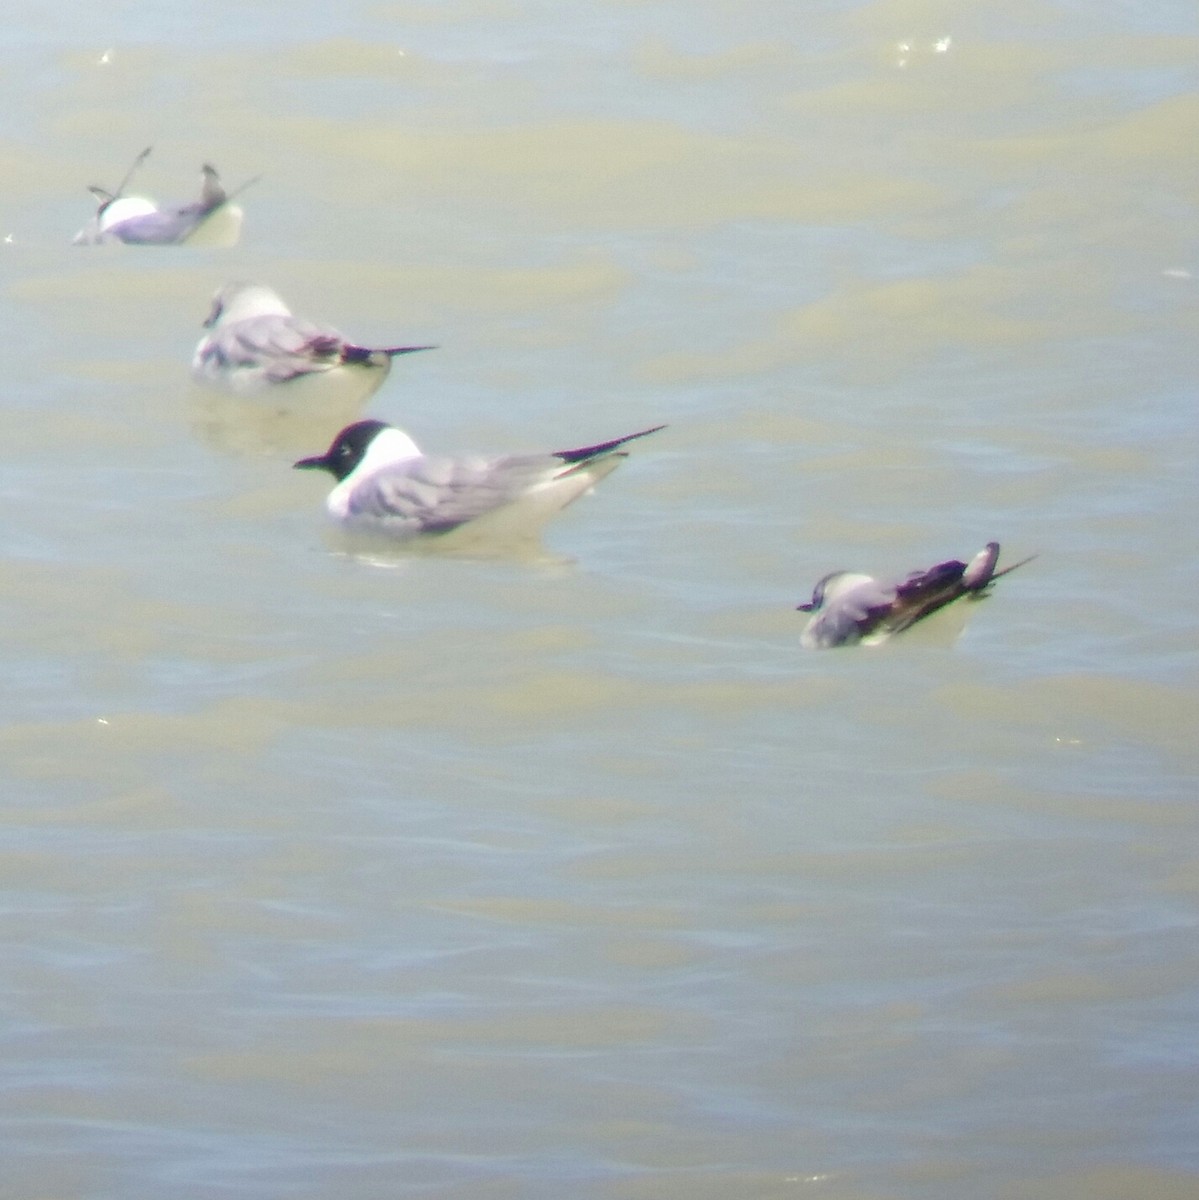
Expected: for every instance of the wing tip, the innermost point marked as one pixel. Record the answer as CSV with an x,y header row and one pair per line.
x,y
585,453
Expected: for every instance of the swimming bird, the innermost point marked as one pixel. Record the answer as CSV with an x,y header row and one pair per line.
x,y
848,607
136,220
385,485
254,343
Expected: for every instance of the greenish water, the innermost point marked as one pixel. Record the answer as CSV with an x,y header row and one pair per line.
x,y
433,876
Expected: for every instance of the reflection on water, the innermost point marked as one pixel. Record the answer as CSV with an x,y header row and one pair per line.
x,y
221,231
333,871
301,416
508,535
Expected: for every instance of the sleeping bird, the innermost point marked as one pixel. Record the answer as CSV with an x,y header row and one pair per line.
x,y
847,607
255,344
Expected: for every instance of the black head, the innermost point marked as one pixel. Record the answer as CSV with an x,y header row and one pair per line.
x,y
346,451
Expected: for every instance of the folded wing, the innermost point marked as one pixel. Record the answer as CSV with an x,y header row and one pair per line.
x,y
282,347
435,495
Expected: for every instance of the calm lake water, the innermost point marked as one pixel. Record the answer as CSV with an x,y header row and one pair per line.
x,y
420,876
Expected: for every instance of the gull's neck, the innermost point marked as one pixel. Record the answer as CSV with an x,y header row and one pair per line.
x,y
388,446
254,302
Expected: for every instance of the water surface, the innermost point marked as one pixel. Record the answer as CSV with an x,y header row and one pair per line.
x,y
469,877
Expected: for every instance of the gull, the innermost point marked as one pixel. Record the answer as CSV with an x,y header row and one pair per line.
x,y
140,222
848,607
386,486
254,343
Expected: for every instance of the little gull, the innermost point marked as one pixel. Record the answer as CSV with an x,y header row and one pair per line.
x,y
254,343
847,607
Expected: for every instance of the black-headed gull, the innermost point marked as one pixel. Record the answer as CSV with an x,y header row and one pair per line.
x,y
386,486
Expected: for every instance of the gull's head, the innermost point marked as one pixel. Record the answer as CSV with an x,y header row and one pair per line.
x,y
362,448
831,587
239,301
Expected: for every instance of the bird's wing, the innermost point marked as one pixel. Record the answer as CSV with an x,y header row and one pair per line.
x,y
282,347
586,454
435,495
923,592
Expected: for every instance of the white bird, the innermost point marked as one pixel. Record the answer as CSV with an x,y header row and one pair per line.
x,y
136,220
254,343
848,607
386,486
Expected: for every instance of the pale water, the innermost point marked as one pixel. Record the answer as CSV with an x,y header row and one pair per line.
x,y
440,877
